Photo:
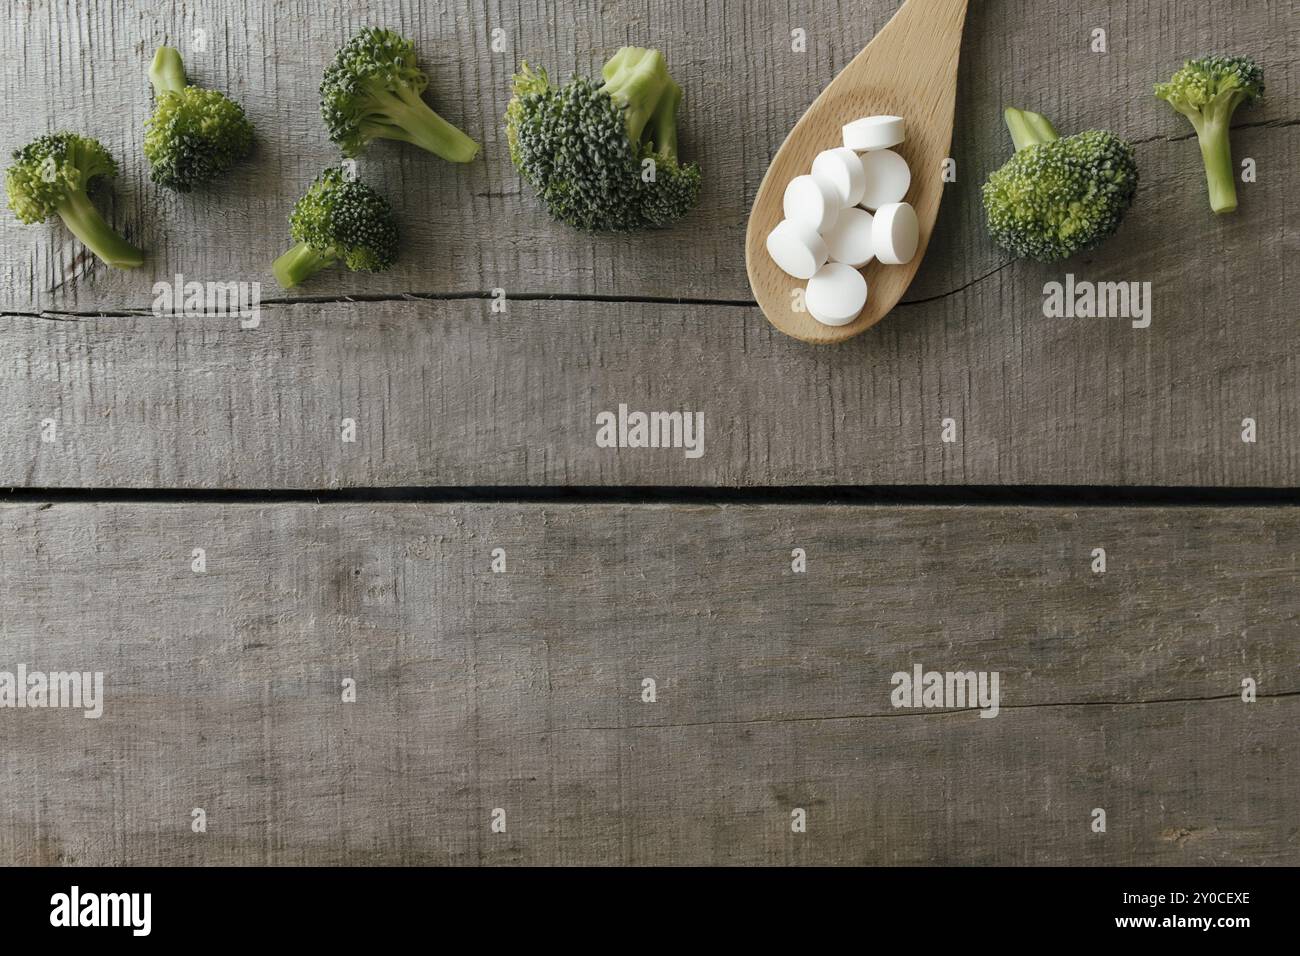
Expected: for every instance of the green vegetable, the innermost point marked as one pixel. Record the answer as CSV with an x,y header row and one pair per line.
x,y
338,219
50,176
372,91
604,157
1208,91
194,135
1056,196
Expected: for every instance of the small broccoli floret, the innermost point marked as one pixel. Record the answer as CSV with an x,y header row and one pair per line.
x,y
1208,91
372,91
194,135
338,219
604,156
50,175
1056,196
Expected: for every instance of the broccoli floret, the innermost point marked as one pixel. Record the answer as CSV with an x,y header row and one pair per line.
x,y
338,219
1208,91
372,91
604,157
50,175
194,135
1056,196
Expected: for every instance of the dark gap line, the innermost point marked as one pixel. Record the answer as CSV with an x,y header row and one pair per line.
x,y
57,315
516,297
1044,496
60,315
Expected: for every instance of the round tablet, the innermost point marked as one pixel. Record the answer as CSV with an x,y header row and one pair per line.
x,y
842,168
813,201
836,294
888,178
850,241
895,233
874,132
797,249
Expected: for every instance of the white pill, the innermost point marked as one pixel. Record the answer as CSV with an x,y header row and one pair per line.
x,y
843,169
874,132
836,294
851,240
888,178
895,233
812,200
797,249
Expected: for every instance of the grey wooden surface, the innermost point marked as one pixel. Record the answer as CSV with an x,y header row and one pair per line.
x,y
443,393
521,690
1037,400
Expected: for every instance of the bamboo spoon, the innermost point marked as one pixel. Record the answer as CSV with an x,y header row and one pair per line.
x,y
908,70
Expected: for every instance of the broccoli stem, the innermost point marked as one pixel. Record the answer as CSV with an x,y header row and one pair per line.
x,y
81,216
636,80
663,124
167,71
411,120
298,264
1220,174
1028,128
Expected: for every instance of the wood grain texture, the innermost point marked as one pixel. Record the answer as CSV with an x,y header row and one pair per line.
x,y
909,70
449,393
522,690
82,65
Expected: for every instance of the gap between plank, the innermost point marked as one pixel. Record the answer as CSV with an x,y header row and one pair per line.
x,y
1041,496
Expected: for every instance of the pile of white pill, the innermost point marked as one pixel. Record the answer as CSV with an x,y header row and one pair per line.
x,y
847,211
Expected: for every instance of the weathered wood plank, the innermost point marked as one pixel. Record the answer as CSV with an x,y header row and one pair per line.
x,y
448,393
522,690
83,65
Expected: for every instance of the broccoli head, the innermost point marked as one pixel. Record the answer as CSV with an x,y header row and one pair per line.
x,y
1056,197
338,219
603,157
1208,91
194,135
50,176
372,91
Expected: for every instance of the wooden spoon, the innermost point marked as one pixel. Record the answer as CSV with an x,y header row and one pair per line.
x,y
910,70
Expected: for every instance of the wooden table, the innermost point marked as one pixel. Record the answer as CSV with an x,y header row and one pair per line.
x,y
133,437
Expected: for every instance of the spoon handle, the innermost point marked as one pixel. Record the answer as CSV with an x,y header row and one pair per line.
x,y
926,29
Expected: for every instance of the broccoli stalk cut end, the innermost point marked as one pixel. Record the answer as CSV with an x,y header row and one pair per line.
x,y
299,264
636,80
1028,128
167,71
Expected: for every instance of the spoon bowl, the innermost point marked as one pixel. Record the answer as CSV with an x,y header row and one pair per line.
x,y
910,70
